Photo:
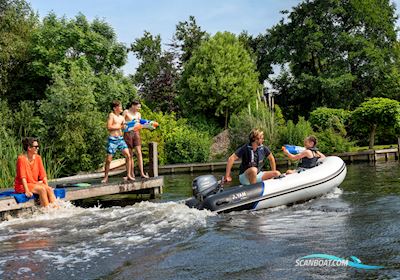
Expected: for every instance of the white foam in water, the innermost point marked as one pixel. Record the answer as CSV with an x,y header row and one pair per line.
x,y
23,270
94,232
333,194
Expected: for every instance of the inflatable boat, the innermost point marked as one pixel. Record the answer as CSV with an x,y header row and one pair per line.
x,y
209,194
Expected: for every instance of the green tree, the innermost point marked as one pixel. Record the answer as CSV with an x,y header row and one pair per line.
x,y
156,75
219,78
332,53
376,113
58,41
17,21
75,127
187,38
327,118
113,87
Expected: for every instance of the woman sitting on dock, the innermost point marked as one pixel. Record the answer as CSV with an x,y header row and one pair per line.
x,y
31,177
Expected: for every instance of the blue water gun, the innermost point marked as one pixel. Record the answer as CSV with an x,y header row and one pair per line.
x,y
143,123
293,149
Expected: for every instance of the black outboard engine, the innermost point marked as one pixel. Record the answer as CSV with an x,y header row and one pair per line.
x,y
204,186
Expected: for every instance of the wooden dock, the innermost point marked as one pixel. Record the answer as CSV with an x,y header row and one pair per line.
x,y
152,186
369,155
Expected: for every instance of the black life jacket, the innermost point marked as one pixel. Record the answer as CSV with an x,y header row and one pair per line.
x,y
310,162
253,158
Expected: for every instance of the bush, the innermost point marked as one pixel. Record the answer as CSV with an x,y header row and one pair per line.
x,y
294,134
188,145
75,128
330,141
178,142
326,118
26,121
256,115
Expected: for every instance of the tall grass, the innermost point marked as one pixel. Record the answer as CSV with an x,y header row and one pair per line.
x,y
9,151
10,148
256,115
294,134
52,164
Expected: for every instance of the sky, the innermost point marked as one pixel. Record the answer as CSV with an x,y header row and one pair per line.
x,y
130,18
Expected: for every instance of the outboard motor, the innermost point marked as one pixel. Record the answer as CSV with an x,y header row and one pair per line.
x,y
204,186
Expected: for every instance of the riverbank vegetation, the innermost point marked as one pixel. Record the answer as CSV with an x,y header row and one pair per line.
x,y
338,78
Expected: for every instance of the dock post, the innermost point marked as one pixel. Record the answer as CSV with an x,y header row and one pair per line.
x,y
153,159
398,148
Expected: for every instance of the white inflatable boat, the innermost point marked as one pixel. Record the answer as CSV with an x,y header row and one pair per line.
x,y
293,188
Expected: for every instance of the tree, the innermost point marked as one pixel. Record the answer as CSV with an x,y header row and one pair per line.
x,y
17,21
327,118
332,53
113,87
58,41
219,78
377,113
156,75
187,39
75,127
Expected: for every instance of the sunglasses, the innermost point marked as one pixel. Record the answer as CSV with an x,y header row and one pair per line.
x,y
36,147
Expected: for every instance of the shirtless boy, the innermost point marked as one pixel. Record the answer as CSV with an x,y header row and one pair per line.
x,y
115,124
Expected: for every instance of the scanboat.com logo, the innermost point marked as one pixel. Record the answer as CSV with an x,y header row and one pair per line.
x,y
330,260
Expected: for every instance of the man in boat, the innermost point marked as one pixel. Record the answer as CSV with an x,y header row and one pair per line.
x,y
308,157
252,155
115,124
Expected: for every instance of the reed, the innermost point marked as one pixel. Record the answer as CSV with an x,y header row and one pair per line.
x,y
10,148
9,151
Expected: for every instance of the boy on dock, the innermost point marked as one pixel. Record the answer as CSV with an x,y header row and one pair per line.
x,y
132,138
115,124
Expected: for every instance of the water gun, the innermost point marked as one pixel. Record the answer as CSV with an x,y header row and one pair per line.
x,y
135,126
293,149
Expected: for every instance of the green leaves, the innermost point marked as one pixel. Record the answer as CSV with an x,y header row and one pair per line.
x,y
219,78
336,54
75,126
376,113
156,75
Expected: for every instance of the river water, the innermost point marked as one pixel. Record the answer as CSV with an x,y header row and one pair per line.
x,y
163,239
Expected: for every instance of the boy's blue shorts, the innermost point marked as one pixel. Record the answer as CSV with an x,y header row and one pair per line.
x,y
115,143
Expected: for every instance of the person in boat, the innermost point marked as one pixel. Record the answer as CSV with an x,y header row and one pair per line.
x,y
308,158
252,155
132,137
31,176
115,124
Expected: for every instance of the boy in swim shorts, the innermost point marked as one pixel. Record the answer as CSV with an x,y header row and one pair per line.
x,y
115,124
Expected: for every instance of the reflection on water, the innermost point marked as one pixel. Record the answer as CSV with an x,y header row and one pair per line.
x,y
166,240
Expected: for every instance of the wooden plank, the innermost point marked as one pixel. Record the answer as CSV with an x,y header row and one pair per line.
x,y
154,185
9,204
82,177
113,188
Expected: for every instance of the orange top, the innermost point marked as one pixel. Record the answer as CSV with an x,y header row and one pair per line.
x,y
32,171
